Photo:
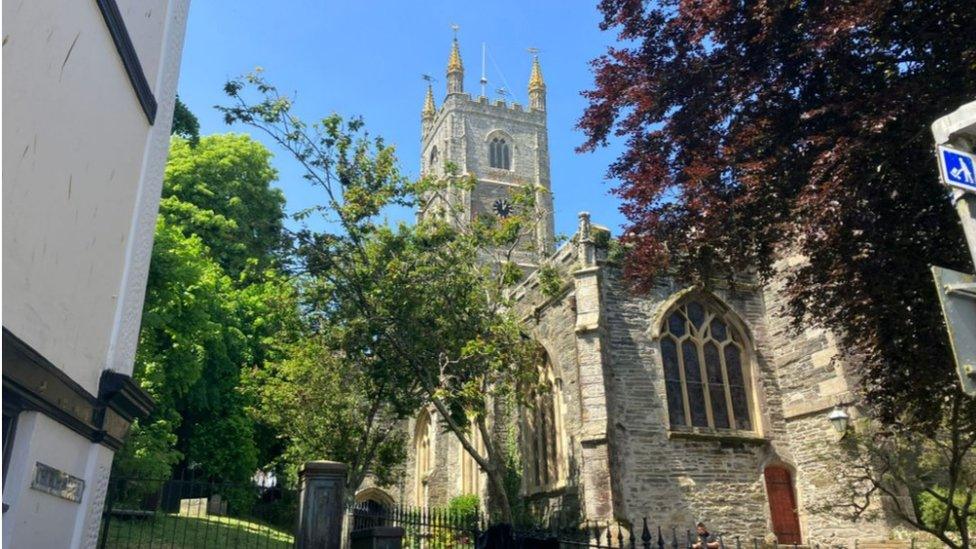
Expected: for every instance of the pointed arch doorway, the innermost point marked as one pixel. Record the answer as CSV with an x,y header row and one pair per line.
x,y
782,504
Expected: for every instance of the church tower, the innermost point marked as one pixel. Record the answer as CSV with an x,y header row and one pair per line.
x,y
503,145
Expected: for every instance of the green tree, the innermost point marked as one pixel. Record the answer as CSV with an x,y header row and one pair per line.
x,y
221,190
185,123
215,303
323,406
183,295
926,477
414,305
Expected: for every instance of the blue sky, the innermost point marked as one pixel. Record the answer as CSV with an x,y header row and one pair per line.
x,y
366,58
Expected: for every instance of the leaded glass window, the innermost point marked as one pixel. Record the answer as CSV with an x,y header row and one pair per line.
x,y
705,373
499,154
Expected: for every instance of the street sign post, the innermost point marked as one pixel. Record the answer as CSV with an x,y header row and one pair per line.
x,y
957,295
958,168
955,140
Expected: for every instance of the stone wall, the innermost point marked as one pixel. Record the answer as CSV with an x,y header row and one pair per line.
x,y
625,463
677,479
813,378
550,320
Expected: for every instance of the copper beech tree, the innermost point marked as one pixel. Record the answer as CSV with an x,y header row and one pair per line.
x,y
758,130
754,129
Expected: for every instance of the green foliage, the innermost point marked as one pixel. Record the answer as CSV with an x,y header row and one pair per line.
x,y
933,509
616,251
314,401
454,525
215,304
415,308
928,479
513,464
465,505
550,282
185,123
511,273
601,238
182,298
221,190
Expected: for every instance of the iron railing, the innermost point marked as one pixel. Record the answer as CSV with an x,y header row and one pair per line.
x,y
441,529
144,513
423,528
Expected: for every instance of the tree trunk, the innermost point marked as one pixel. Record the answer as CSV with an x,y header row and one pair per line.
x,y
499,507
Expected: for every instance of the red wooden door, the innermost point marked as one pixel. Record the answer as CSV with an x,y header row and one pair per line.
x,y
782,505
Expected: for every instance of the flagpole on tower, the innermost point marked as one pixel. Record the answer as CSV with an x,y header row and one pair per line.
x,y
484,79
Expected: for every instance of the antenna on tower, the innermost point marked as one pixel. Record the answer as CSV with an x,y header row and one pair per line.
x,y
484,79
455,27
533,51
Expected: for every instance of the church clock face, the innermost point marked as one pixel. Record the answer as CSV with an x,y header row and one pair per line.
x,y
502,208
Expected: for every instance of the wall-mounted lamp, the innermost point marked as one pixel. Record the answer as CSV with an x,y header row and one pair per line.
x,y
839,419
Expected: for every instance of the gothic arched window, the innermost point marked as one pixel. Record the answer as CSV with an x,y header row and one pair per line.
x,y
499,153
542,432
705,369
422,462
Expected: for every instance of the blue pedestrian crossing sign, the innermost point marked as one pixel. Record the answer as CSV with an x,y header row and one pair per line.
x,y
958,168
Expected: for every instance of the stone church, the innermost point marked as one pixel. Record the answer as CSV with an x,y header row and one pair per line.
x,y
678,405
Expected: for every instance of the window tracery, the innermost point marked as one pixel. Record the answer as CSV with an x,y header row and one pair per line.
x,y
706,369
499,153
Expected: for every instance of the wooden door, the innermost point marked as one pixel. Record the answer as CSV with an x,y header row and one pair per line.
x,y
782,505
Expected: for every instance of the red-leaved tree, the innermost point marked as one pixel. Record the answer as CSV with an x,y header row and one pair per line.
x,y
758,129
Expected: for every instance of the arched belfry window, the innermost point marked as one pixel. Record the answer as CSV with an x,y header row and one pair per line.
x,y
542,432
706,368
499,153
422,461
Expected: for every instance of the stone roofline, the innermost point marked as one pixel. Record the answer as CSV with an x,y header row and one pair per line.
x,y
566,260
499,104
463,102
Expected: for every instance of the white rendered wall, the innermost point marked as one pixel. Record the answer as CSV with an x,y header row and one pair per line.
x,y
37,519
82,176
74,143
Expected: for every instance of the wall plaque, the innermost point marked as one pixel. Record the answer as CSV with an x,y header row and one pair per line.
x,y
52,481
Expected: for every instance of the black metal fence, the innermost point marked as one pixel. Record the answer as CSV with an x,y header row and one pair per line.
x,y
186,514
643,536
423,528
442,529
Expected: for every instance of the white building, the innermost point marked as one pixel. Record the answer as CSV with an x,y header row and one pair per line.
x,y
88,92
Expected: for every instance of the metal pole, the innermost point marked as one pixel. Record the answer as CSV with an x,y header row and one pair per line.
x,y
966,208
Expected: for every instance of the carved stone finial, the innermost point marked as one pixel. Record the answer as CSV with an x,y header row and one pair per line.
x,y
585,227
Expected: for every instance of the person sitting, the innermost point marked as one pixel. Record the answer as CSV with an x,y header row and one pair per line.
x,y
705,539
